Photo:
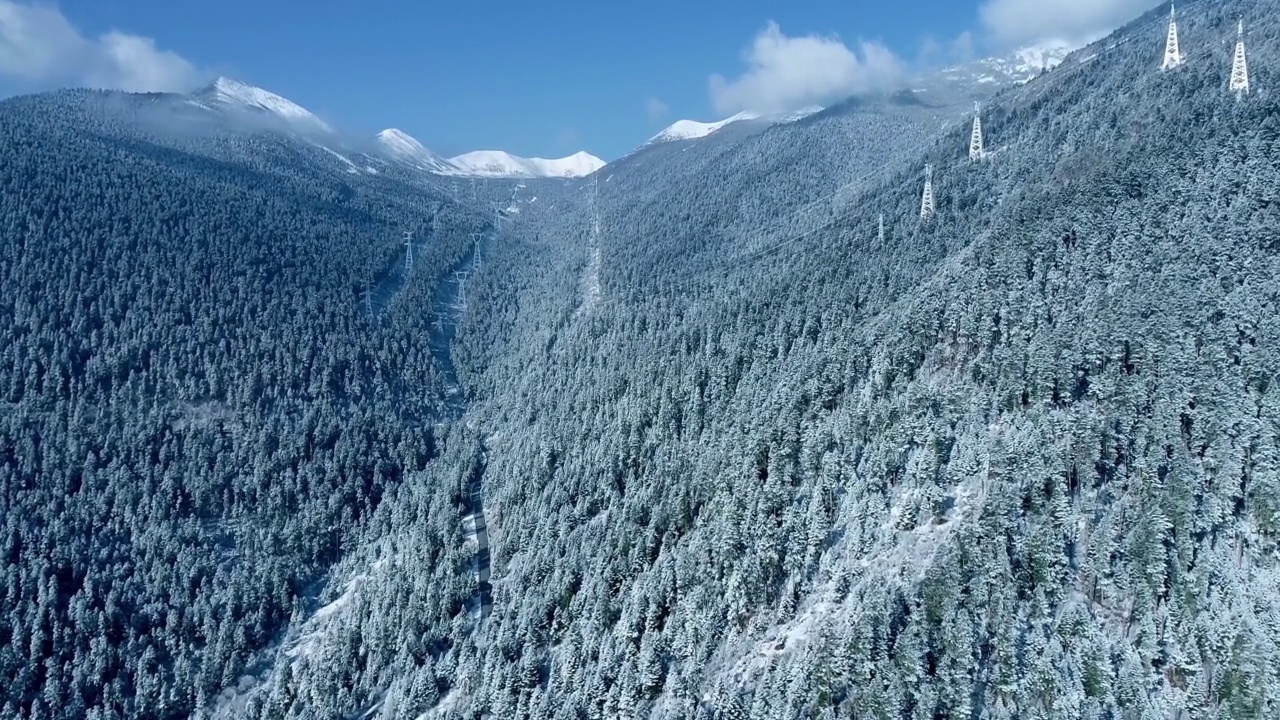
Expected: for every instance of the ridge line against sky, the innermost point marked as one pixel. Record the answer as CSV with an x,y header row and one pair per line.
x,y
544,82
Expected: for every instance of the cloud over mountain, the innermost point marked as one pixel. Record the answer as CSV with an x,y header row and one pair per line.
x,y
40,47
1014,22
788,73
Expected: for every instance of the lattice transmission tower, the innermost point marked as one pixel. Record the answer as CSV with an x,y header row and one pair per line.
x,y
927,207
1240,65
408,251
1172,56
976,149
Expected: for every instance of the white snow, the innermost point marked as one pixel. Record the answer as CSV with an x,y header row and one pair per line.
x,y
232,93
497,163
589,284
1045,56
399,144
694,130
351,167
1020,66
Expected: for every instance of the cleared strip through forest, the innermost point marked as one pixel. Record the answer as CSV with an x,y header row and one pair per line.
x,y
448,307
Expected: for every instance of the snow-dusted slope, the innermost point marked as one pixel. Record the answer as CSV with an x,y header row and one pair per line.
x,y
226,93
1017,67
694,130
496,163
398,145
1046,56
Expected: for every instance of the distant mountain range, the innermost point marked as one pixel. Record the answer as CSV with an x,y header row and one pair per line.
x,y
976,79
229,95
496,163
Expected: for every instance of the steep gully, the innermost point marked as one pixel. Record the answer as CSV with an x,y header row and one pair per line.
x,y
447,308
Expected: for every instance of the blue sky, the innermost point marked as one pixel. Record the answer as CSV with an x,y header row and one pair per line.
x,y
534,78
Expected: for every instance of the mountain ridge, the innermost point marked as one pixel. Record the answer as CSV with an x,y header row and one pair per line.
x,y
229,93
400,145
502,164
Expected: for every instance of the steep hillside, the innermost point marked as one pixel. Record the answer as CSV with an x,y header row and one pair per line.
x,y
734,456
1019,461
196,409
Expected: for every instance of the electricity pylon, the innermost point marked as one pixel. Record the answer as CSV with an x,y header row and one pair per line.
x,y
976,150
1172,56
927,207
1240,65
408,252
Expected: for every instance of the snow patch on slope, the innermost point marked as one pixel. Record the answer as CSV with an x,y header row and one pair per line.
x,y
497,163
351,167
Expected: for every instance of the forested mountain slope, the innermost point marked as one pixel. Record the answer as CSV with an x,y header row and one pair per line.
x,y
196,409
757,174
1020,461
735,181
740,458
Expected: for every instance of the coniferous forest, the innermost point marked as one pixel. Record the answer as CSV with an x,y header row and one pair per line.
x,y
735,456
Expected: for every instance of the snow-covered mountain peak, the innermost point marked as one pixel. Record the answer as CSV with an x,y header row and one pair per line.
x,y
498,163
1019,66
579,164
1045,56
693,129
402,146
395,139
228,92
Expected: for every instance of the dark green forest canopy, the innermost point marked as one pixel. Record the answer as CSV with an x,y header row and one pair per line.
x,y
740,457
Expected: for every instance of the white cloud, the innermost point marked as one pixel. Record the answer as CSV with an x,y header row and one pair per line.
x,y
39,47
656,109
790,73
1021,22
